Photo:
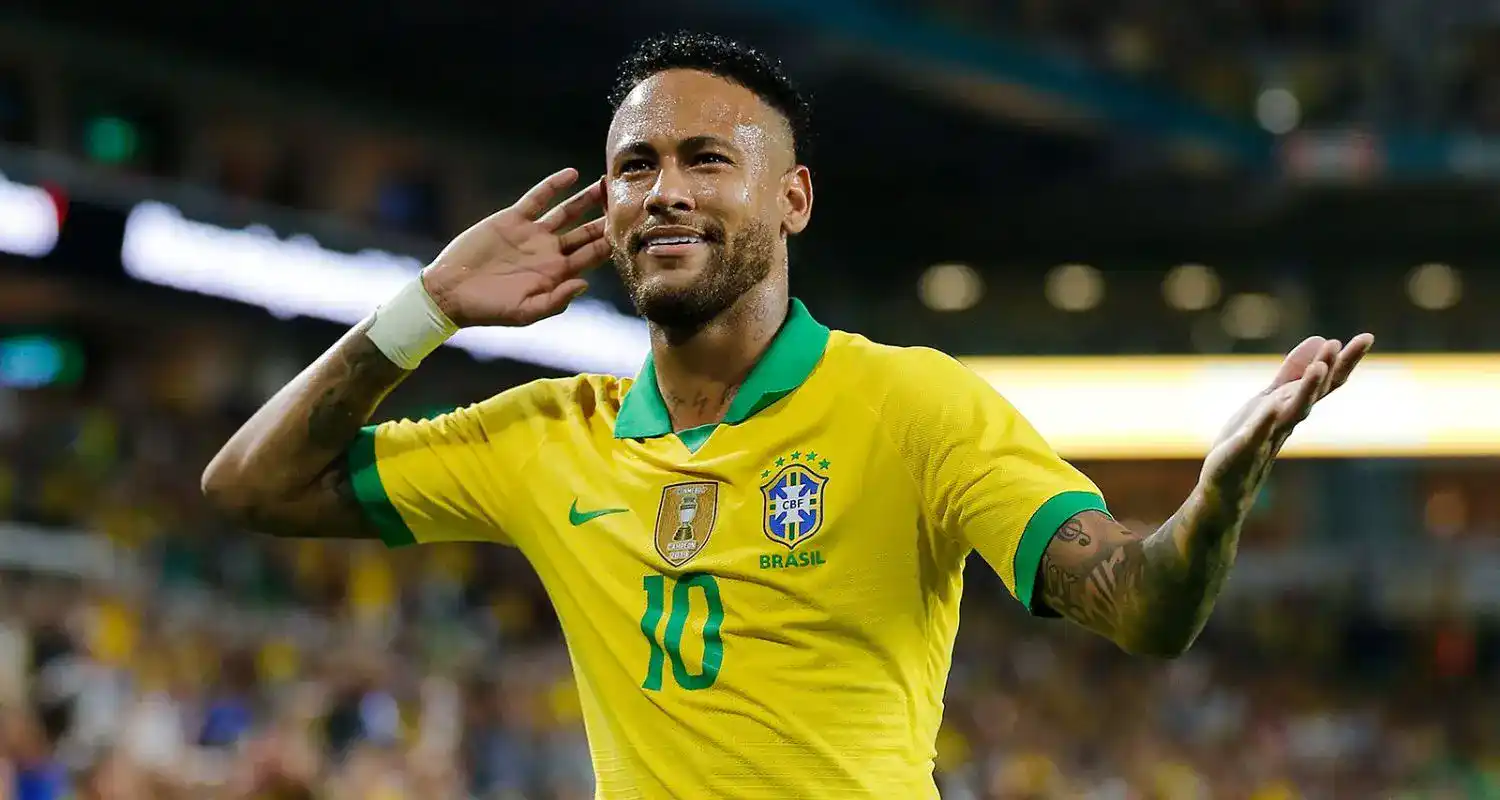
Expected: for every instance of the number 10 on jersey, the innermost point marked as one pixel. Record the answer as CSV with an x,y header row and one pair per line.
x,y
670,644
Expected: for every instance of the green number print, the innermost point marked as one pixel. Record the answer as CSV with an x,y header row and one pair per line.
x,y
670,646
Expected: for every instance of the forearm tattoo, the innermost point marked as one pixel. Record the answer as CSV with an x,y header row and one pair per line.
x,y
1149,594
346,389
361,378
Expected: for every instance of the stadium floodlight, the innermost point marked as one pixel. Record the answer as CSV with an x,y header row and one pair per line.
x,y
1434,287
950,287
28,219
298,277
1399,406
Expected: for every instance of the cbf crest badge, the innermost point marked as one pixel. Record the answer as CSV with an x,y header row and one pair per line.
x,y
686,520
795,499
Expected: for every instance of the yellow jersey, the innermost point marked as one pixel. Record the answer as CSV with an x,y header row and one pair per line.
x,y
763,608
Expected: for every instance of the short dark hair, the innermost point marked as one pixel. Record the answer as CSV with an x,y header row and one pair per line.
x,y
725,58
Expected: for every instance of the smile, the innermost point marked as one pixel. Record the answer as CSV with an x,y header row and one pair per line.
x,y
671,241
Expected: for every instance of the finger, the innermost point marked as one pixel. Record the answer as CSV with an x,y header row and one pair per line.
x,y
1257,430
567,291
1330,351
588,256
539,197
1297,360
581,235
1327,355
541,306
1349,358
1262,427
572,209
1308,392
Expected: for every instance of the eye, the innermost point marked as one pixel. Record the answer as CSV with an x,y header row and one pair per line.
x,y
711,158
634,165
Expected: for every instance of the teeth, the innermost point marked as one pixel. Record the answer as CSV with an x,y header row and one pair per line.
x,y
674,240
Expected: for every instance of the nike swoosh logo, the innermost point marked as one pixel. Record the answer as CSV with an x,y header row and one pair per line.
x,y
579,517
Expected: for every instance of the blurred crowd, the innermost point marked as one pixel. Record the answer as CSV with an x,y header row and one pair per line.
x,y
1356,64
1387,65
206,662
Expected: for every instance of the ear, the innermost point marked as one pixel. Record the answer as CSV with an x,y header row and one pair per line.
x,y
796,200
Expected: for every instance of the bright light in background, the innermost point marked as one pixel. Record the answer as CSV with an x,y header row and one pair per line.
x,y
1278,111
1174,406
298,277
950,287
1251,316
1434,287
1075,287
28,220
1191,287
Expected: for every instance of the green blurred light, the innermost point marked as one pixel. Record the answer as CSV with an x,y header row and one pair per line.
x,y
111,140
37,360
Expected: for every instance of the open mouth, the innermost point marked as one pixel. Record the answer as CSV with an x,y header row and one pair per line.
x,y
671,241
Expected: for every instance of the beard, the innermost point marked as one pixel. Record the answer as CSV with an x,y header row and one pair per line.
x,y
735,265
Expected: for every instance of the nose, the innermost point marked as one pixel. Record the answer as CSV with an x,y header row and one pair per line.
x,y
670,192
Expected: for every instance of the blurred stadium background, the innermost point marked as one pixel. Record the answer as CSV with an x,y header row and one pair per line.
x,y
1120,210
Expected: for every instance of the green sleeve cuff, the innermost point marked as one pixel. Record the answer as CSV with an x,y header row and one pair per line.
x,y
1038,534
365,477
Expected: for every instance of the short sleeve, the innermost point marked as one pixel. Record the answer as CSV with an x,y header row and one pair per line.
x,y
444,479
988,479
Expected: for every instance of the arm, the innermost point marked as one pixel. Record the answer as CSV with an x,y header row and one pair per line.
x,y
286,471
1153,594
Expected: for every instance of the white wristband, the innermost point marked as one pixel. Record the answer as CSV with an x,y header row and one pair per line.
x,y
410,326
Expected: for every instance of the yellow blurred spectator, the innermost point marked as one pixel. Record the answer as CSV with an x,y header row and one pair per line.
x,y
563,706
372,585
1027,775
278,661
310,565
1174,780
1276,790
114,629
512,612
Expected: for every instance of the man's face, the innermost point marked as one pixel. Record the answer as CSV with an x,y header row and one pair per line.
x,y
701,191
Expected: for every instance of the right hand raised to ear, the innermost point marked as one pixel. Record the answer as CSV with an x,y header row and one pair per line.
x,y
514,267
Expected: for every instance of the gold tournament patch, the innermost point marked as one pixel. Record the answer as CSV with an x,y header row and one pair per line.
x,y
686,520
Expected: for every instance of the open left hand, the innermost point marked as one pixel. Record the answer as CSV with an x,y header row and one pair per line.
x,y
1241,457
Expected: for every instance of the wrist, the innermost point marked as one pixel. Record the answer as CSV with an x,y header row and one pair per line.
x,y
409,326
1214,506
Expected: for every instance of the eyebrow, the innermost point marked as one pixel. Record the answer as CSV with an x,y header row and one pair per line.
x,y
699,142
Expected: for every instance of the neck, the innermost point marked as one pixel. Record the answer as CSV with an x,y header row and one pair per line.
x,y
699,374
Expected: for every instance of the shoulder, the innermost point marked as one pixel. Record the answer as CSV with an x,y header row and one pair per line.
x,y
532,408
580,395
896,377
550,402
928,403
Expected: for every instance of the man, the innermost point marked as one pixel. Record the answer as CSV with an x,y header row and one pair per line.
x,y
756,547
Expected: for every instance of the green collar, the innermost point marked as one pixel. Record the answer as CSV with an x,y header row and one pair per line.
x,y
794,352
